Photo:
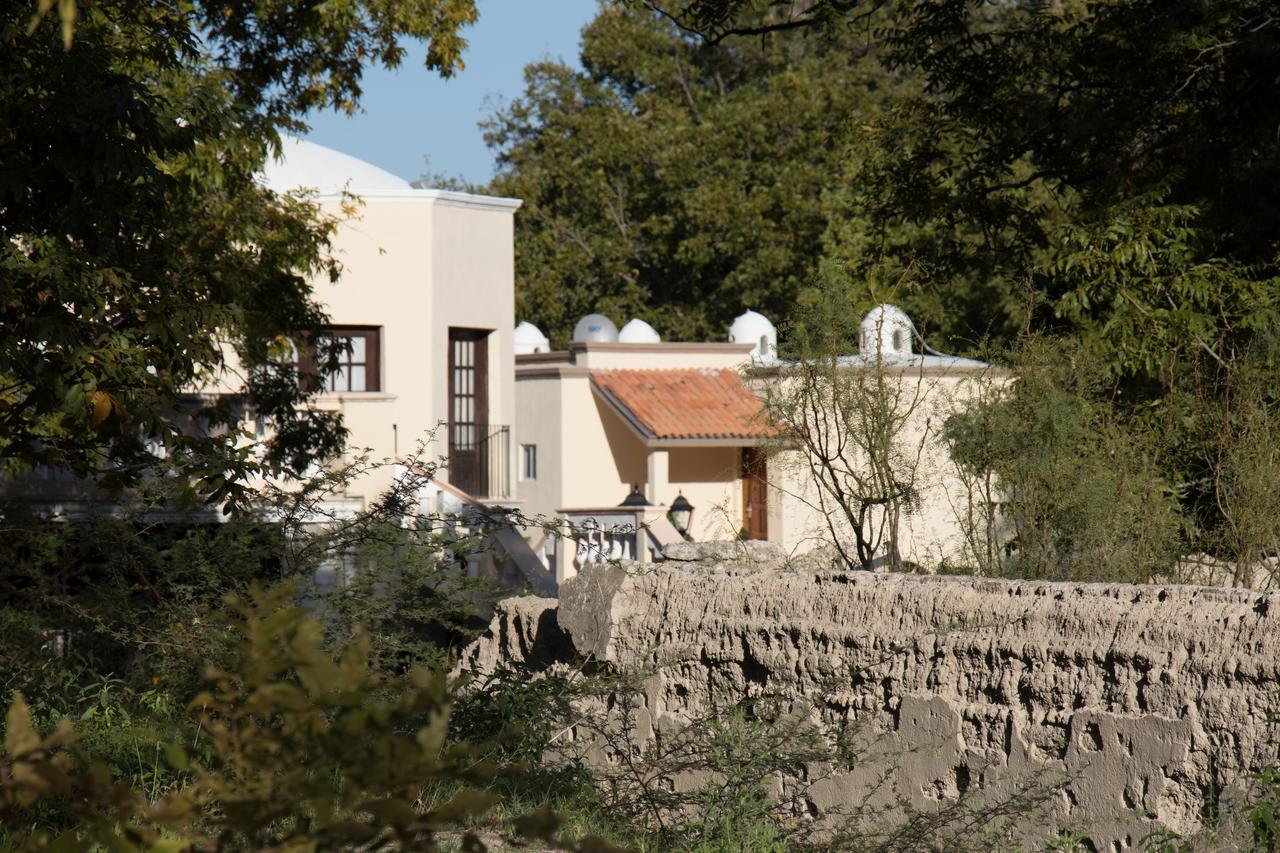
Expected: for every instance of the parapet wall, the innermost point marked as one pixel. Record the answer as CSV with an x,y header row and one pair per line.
x,y
1146,702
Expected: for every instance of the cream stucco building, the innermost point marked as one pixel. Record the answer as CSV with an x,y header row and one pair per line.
x,y
605,418
924,388
609,441
618,427
426,300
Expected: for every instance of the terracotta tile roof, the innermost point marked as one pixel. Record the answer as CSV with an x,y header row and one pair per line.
x,y
692,403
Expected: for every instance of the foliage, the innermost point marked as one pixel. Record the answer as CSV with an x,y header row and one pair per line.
x,y
675,181
306,751
141,261
1078,487
111,620
125,595
1032,116
1244,466
1264,809
1104,172
1142,300
528,711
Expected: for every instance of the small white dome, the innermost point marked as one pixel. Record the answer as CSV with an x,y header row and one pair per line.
x,y
751,327
304,165
528,338
639,332
886,330
595,328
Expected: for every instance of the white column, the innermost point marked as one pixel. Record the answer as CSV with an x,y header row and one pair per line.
x,y
642,539
659,471
566,549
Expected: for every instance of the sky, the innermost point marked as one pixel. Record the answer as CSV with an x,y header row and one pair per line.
x,y
411,116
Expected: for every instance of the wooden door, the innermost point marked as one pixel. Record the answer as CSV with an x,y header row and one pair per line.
x,y
755,494
469,410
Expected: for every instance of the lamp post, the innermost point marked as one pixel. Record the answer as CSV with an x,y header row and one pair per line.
x,y
681,513
636,498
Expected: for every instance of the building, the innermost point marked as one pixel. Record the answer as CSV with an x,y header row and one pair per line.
x,y
620,426
426,301
629,419
622,443
923,388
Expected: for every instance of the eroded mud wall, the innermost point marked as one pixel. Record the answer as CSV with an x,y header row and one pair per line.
x,y
1139,703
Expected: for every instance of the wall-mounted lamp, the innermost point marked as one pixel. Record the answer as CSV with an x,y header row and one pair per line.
x,y
681,513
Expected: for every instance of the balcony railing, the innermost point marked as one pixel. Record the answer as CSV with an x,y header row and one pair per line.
x,y
480,459
607,535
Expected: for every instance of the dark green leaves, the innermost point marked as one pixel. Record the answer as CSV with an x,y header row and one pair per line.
x,y
675,181
141,264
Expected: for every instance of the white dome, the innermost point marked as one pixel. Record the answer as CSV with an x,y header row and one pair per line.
x,y
595,328
639,332
304,165
751,327
528,338
886,330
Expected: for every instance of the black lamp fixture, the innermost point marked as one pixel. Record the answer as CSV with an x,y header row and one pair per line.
x,y
636,498
681,513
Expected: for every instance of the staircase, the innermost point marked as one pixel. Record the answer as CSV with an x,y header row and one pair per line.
x,y
509,561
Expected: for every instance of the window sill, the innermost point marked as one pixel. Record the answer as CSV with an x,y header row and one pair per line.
x,y
355,397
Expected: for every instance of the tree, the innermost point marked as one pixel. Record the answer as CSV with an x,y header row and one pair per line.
x,y
303,749
1103,172
1073,488
856,425
1035,120
676,181
139,259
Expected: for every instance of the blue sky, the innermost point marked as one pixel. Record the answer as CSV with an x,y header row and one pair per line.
x,y
411,114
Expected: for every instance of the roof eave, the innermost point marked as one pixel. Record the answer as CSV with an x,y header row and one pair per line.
x,y
663,443
627,416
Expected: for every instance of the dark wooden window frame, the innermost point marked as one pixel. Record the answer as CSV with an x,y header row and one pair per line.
x,y
372,359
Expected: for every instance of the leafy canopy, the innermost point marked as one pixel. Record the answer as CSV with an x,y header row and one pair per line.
x,y
140,261
672,180
1102,172
1060,162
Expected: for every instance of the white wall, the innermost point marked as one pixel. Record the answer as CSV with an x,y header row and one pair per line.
x,y
538,412
931,534
414,266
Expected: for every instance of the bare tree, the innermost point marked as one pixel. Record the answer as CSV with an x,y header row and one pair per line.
x,y
855,415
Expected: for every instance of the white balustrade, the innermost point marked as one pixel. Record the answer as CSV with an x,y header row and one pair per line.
x,y
602,538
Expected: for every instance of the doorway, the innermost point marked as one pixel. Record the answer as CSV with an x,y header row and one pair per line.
x,y
755,493
469,410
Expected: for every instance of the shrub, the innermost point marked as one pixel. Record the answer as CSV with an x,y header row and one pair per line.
x,y
1078,490
304,751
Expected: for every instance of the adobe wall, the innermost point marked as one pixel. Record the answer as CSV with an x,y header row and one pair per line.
x,y
1136,702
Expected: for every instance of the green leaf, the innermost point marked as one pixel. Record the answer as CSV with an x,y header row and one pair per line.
x,y
176,756
20,735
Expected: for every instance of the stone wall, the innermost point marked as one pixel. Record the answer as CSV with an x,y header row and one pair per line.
x,y
1141,703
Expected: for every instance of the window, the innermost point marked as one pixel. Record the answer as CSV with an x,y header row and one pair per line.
x,y
358,362
528,461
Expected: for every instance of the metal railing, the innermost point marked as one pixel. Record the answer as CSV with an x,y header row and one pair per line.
x,y
480,459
